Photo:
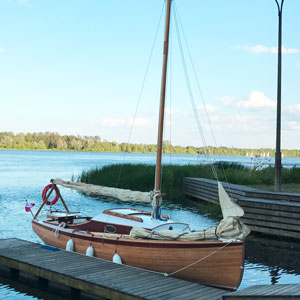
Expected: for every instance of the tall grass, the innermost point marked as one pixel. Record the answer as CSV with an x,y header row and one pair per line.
x,y
140,177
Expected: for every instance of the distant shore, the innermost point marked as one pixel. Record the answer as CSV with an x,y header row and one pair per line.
x,y
55,142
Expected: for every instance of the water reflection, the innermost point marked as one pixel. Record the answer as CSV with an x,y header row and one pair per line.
x,y
10,289
28,289
25,173
279,259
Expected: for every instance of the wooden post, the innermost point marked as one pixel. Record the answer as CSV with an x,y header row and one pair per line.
x,y
75,293
43,283
44,202
14,273
61,198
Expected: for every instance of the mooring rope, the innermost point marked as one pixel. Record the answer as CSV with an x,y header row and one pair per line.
x,y
186,267
60,226
194,263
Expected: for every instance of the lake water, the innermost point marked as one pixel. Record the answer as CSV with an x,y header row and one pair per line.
x,y
23,175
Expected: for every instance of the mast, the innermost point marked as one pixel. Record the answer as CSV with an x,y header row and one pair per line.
x,y
157,187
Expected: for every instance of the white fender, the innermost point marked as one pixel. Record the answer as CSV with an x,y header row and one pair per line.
x,y
117,259
70,245
90,251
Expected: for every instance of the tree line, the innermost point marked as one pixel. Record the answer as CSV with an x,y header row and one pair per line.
x,y
54,141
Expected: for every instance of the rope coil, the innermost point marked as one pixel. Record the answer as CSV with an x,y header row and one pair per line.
x,y
59,227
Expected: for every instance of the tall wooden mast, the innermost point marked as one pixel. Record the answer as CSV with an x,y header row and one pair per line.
x,y
157,187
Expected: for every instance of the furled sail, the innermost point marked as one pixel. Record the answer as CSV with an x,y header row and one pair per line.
x,y
98,190
230,227
229,208
142,233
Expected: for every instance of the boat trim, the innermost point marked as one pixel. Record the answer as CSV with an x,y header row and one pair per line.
x,y
85,235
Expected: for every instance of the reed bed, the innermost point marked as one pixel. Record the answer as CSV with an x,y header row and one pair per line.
x,y
140,177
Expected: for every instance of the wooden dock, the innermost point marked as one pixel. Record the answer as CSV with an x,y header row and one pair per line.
x,y
266,212
260,292
96,276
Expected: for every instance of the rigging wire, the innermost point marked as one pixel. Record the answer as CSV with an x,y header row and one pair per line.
x,y
141,92
190,91
201,95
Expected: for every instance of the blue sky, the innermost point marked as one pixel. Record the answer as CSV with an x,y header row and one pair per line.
x,y
77,67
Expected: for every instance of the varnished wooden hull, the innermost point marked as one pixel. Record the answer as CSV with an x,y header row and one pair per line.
x,y
214,263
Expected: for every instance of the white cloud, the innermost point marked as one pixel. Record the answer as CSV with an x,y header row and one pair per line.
x,y
284,50
139,122
292,109
256,49
256,99
209,108
294,125
2,50
264,49
110,122
22,1
115,122
227,100
237,123
173,111
298,66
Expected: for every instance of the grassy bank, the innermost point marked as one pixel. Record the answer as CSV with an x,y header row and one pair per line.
x,y
140,177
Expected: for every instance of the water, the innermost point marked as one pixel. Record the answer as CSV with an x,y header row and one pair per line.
x,y
23,175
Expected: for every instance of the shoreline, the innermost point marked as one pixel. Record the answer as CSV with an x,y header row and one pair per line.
x,y
125,152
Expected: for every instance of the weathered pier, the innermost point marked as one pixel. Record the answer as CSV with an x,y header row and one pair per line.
x,y
107,280
96,276
277,292
266,212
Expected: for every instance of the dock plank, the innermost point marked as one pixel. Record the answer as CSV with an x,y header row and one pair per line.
x,y
270,204
278,291
162,293
274,231
267,223
94,275
271,212
283,220
149,284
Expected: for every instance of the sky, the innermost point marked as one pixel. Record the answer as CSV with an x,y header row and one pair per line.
x,y
81,67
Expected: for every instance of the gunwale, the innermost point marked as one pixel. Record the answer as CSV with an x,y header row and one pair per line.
x,y
124,239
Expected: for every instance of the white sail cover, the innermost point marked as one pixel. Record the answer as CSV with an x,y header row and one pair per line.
x,y
229,208
230,226
142,233
98,190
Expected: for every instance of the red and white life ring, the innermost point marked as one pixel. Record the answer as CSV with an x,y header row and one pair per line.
x,y
44,195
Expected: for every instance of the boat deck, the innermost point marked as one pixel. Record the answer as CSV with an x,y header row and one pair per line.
x,y
97,276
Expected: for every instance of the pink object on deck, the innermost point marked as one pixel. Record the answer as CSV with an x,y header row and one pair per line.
x,y
28,206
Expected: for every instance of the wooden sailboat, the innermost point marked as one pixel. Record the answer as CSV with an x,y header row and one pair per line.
x,y
216,261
